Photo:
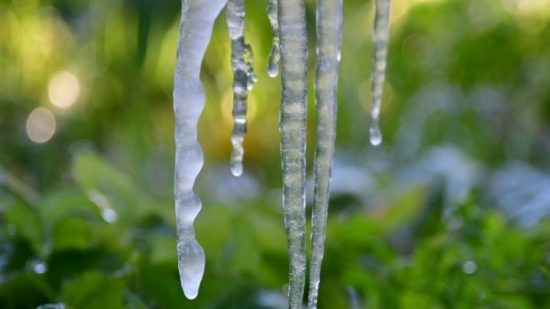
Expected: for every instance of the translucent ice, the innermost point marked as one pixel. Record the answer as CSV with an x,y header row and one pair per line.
x,y
196,25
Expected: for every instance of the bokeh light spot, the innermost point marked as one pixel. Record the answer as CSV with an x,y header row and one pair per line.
x,y
40,125
64,89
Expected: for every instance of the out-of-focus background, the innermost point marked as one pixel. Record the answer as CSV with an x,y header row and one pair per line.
x,y
450,212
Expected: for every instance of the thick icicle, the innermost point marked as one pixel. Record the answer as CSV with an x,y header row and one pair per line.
x,y
243,80
275,55
381,33
292,125
329,38
196,25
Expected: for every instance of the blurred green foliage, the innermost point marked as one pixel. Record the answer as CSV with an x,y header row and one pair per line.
x,y
86,219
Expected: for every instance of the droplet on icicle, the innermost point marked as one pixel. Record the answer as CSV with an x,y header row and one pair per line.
x,y
375,135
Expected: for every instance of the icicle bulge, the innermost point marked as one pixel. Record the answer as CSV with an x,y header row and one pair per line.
x,y
329,39
292,125
196,25
243,81
381,33
275,55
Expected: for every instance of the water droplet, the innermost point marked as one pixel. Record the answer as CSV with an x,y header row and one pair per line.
x,y
236,168
249,85
375,135
273,70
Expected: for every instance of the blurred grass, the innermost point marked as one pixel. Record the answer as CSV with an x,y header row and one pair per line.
x,y
472,74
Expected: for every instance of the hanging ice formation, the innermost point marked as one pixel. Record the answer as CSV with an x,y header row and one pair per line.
x,y
287,19
275,55
243,80
197,21
292,125
329,38
381,33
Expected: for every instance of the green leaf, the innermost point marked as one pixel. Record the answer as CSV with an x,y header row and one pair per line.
x,y
161,285
242,253
163,249
26,290
73,233
94,290
22,220
114,188
62,204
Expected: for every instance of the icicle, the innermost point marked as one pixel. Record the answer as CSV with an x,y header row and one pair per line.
x,y
292,125
381,35
243,80
196,25
275,55
329,38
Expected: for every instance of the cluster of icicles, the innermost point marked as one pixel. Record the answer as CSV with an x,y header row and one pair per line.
x,y
287,18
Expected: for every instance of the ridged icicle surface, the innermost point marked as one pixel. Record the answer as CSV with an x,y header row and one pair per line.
x,y
380,33
243,81
292,125
275,55
196,25
329,39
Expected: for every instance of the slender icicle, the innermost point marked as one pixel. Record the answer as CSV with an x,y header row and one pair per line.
x,y
196,25
275,55
292,125
243,80
381,33
329,38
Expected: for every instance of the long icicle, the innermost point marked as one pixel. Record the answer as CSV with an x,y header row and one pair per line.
x,y
243,80
275,55
197,21
381,33
292,125
329,38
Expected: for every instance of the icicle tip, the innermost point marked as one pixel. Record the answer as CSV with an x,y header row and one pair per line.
x,y
191,262
375,136
237,168
273,70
